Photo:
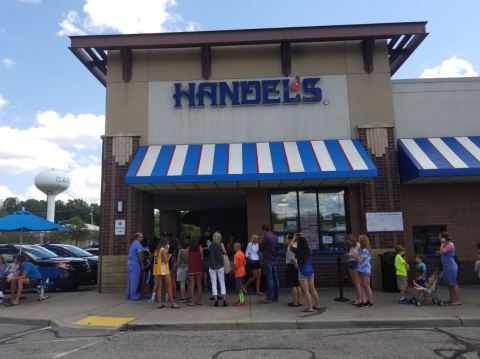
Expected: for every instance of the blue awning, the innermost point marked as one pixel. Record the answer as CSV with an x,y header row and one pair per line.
x,y
436,160
250,164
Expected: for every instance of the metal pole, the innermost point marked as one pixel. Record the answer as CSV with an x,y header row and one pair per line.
x,y
341,298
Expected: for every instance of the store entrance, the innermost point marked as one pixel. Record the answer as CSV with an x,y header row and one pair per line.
x,y
219,210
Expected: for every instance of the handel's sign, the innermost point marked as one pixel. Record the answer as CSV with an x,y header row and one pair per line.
x,y
248,92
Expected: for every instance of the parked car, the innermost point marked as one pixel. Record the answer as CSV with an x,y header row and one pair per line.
x,y
72,272
93,250
67,250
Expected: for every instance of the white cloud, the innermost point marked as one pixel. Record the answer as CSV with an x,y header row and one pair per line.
x,y
8,63
3,101
31,2
6,193
129,16
452,67
54,142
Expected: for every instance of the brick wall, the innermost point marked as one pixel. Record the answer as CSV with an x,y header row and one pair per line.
x,y
118,152
454,205
258,210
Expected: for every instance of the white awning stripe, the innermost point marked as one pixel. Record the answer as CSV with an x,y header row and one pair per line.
x,y
264,158
178,160
323,157
149,161
447,152
293,157
235,159
470,146
423,160
356,161
205,166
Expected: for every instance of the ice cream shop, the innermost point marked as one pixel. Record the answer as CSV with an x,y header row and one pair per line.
x,y
301,129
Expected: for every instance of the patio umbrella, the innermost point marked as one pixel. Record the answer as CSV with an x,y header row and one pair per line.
x,y
21,221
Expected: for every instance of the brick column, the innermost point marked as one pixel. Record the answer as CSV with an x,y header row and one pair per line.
x,y
381,194
138,207
258,210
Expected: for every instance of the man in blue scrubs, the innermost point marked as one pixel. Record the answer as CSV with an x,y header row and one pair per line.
x,y
27,274
135,265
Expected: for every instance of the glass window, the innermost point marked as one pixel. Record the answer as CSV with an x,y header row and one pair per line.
x,y
284,212
425,238
307,201
333,222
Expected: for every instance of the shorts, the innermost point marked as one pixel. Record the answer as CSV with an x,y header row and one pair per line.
x,y
302,277
254,265
364,274
181,274
291,274
34,282
352,265
402,282
239,283
421,282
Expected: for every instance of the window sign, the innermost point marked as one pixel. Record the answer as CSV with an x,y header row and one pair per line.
x,y
384,221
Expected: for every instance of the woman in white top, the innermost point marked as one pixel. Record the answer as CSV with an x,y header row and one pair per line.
x,y
352,263
254,262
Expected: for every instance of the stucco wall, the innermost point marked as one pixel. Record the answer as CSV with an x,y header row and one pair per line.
x,y
369,95
437,107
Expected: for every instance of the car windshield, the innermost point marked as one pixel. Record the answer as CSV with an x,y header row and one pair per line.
x,y
78,252
38,252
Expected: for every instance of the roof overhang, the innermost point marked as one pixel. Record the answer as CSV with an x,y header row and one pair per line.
x,y
403,38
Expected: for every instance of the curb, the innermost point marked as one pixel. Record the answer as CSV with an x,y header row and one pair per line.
x,y
26,321
326,324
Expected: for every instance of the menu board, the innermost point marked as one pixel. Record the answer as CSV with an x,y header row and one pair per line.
x,y
384,221
309,226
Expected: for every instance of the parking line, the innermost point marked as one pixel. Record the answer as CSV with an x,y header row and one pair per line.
x,y
22,334
78,349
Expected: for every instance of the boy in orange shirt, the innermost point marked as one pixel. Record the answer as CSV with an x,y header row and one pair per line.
x,y
239,263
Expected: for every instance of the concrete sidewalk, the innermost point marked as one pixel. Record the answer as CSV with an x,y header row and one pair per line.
x,y
66,309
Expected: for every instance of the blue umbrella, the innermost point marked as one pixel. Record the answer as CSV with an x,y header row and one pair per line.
x,y
21,221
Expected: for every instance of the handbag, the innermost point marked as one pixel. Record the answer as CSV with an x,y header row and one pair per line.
x,y
226,264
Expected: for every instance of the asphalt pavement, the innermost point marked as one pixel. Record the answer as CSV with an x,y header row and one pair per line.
x,y
23,341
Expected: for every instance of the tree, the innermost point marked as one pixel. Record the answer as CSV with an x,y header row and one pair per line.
x,y
77,230
11,204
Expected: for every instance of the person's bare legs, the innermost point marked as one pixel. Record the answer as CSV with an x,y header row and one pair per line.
x,y
356,285
168,286
367,289
198,278
451,292
313,293
20,284
257,282
159,281
456,295
191,286
306,294
13,289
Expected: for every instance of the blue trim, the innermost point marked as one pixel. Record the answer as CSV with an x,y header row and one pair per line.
x,y
461,152
162,161
191,160
307,156
220,160
279,162
366,158
337,155
137,161
249,159
432,153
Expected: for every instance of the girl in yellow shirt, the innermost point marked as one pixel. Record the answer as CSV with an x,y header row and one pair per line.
x,y
161,271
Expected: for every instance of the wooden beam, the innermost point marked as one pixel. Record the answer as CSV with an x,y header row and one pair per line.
x,y
286,58
85,60
368,46
206,61
127,63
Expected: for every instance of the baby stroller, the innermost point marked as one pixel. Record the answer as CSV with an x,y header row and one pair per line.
x,y
430,290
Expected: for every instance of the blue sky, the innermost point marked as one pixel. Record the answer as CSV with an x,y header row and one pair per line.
x,y
45,91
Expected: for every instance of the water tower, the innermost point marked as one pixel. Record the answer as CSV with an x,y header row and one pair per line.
x,y
52,182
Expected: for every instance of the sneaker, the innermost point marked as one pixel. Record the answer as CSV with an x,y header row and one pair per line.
x,y
403,301
182,300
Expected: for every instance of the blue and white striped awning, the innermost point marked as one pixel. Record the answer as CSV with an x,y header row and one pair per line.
x,y
445,159
250,164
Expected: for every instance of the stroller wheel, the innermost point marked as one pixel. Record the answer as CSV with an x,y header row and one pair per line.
x,y
434,301
413,300
441,303
418,304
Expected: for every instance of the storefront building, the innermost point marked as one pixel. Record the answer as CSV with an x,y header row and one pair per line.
x,y
301,129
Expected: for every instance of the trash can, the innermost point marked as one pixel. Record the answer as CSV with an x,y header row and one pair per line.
x,y
389,277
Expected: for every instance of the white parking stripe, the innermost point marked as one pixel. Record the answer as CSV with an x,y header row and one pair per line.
x,y
235,159
447,152
149,161
423,160
178,160
470,146
323,157
293,157
206,160
356,161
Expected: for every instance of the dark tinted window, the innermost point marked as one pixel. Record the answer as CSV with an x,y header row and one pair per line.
x,y
425,238
59,251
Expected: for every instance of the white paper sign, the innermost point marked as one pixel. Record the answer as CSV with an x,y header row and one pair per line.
x,y
120,227
384,221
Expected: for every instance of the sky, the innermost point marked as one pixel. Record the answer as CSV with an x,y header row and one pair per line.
x,y
52,109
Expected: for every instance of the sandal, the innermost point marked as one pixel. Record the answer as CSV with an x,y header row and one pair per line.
x,y
316,308
308,311
174,306
191,304
292,304
161,306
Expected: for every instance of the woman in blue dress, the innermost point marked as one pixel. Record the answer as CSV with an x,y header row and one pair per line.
x,y
449,267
